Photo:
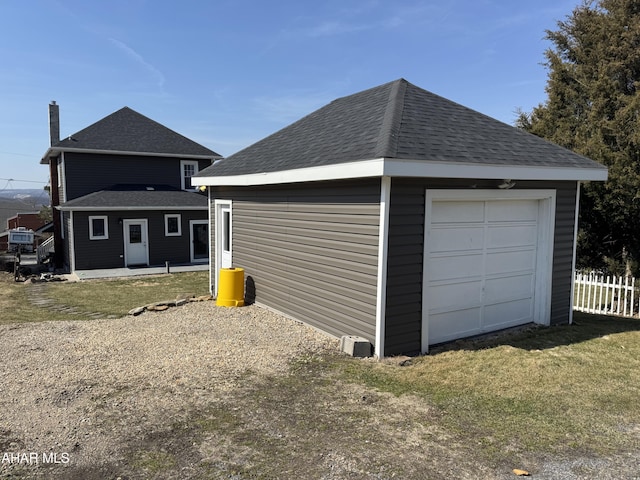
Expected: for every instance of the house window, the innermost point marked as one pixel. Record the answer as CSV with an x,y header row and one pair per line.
x,y
188,168
98,228
172,225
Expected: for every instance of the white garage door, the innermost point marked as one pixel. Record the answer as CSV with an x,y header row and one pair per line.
x,y
481,262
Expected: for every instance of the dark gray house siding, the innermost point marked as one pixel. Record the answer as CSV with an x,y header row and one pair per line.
x,y
92,254
66,229
90,172
406,247
309,250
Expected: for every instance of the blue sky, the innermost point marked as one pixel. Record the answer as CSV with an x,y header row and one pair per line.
x,y
227,73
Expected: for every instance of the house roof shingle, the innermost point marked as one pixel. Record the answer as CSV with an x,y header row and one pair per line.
x,y
128,131
137,197
401,121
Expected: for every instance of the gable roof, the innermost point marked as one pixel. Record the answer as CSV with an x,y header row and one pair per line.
x,y
138,197
127,131
398,129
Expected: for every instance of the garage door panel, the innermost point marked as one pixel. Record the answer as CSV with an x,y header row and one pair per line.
x,y
511,236
508,288
452,212
448,267
451,296
510,261
457,239
512,211
451,325
507,314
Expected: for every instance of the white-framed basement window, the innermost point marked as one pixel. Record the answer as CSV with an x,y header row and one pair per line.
x,y
172,225
98,227
188,168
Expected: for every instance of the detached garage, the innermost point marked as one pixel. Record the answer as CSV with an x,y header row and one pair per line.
x,y
399,216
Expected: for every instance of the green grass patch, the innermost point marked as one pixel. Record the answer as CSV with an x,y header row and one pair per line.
x,y
547,390
15,306
154,462
109,297
118,296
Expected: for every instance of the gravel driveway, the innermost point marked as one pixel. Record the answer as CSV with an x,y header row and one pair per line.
x,y
200,391
79,389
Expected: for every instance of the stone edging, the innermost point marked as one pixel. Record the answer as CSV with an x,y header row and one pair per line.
x,y
164,305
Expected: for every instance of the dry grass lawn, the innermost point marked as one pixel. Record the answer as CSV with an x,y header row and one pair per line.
x,y
513,400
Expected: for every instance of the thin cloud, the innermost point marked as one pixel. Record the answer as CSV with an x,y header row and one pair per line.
x,y
331,28
284,109
139,59
382,17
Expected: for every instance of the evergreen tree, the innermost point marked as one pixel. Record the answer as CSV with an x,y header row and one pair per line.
x,y
593,108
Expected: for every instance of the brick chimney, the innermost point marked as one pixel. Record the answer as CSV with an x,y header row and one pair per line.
x,y
54,122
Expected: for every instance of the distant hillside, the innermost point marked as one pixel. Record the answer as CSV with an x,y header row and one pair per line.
x,y
13,202
38,194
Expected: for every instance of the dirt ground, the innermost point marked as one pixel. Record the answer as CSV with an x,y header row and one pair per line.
x,y
199,392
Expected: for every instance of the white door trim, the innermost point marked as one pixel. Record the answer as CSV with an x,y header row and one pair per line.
x,y
219,205
145,237
191,241
544,261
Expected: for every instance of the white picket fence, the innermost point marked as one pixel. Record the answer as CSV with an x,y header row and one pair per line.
x,y
607,295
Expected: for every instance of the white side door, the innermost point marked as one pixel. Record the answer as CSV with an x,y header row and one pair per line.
x,y
224,240
136,244
223,237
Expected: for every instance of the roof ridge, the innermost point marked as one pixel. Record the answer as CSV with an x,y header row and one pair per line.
x,y
387,144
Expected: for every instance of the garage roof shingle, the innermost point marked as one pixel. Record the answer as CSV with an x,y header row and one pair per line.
x,y
397,120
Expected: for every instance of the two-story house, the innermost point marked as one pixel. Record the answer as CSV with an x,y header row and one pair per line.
x,y
121,194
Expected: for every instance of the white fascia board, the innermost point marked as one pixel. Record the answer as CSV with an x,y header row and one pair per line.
x,y
53,150
418,168
406,168
119,209
338,171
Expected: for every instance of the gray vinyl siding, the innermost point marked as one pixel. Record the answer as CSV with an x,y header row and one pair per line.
x,y
109,253
406,249
310,251
561,302
89,172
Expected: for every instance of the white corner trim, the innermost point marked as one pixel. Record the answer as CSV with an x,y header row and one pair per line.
x,y
406,168
383,248
211,252
71,240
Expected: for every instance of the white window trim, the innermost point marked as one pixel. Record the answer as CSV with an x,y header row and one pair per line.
x,y
182,177
167,233
105,219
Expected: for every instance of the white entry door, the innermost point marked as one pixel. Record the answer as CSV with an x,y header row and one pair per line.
x,y
136,245
487,263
